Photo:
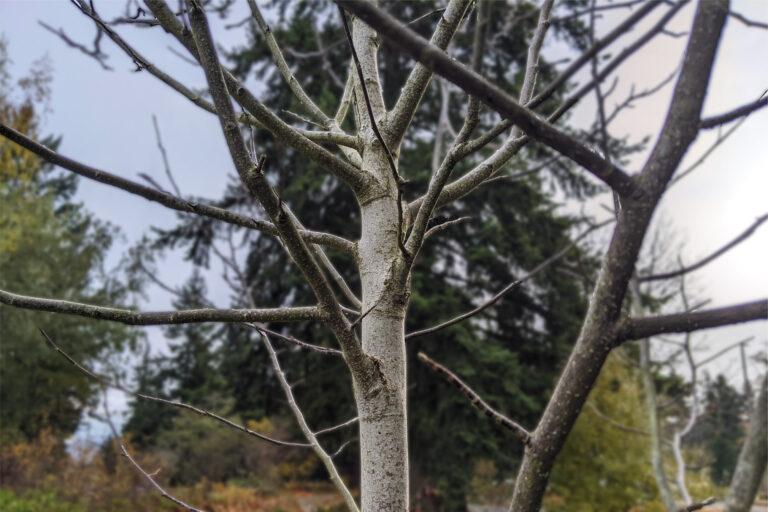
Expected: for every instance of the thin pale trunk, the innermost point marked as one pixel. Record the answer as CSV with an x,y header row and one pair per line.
x,y
652,409
651,404
752,459
383,417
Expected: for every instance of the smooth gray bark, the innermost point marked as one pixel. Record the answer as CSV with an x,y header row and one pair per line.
x,y
649,389
752,459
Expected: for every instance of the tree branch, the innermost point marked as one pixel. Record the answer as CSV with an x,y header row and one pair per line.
x,y
638,328
457,151
493,300
94,53
588,55
157,486
311,436
128,317
474,84
743,111
180,405
596,338
746,21
418,80
335,133
733,243
613,422
476,400
477,176
168,200
347,173
697,506
711,358
362,367
285,70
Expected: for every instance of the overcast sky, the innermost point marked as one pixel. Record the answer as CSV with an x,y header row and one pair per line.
x,y
105,120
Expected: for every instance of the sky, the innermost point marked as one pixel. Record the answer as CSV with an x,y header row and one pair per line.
x,y
105,118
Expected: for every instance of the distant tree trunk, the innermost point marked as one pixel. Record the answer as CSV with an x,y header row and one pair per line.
x,y
653,427
752,460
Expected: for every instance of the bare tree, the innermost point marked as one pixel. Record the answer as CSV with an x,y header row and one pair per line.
x,y
393,231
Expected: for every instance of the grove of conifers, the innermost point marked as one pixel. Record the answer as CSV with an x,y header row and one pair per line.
x,y
308,147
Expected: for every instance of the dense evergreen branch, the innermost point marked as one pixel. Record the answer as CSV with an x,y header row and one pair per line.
x,y
166,199
474,84
125,316
690,268
476,400
638,328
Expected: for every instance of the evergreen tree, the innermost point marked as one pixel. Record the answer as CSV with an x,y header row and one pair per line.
x,y
188,374
50,246
720,429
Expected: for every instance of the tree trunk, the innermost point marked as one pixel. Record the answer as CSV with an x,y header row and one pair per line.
x,y
752,459
383,416
654,431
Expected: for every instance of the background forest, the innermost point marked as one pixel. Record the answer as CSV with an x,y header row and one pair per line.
x,y
511,353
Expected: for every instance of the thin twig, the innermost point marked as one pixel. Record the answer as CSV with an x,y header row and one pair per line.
x,y
493,300
108,420
337,427
165,157
746,21
427,15
476,400
724,351
720,139
743,111
95,53
162,491
444,225
106,382
311,437
613,422
733,243
341,448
